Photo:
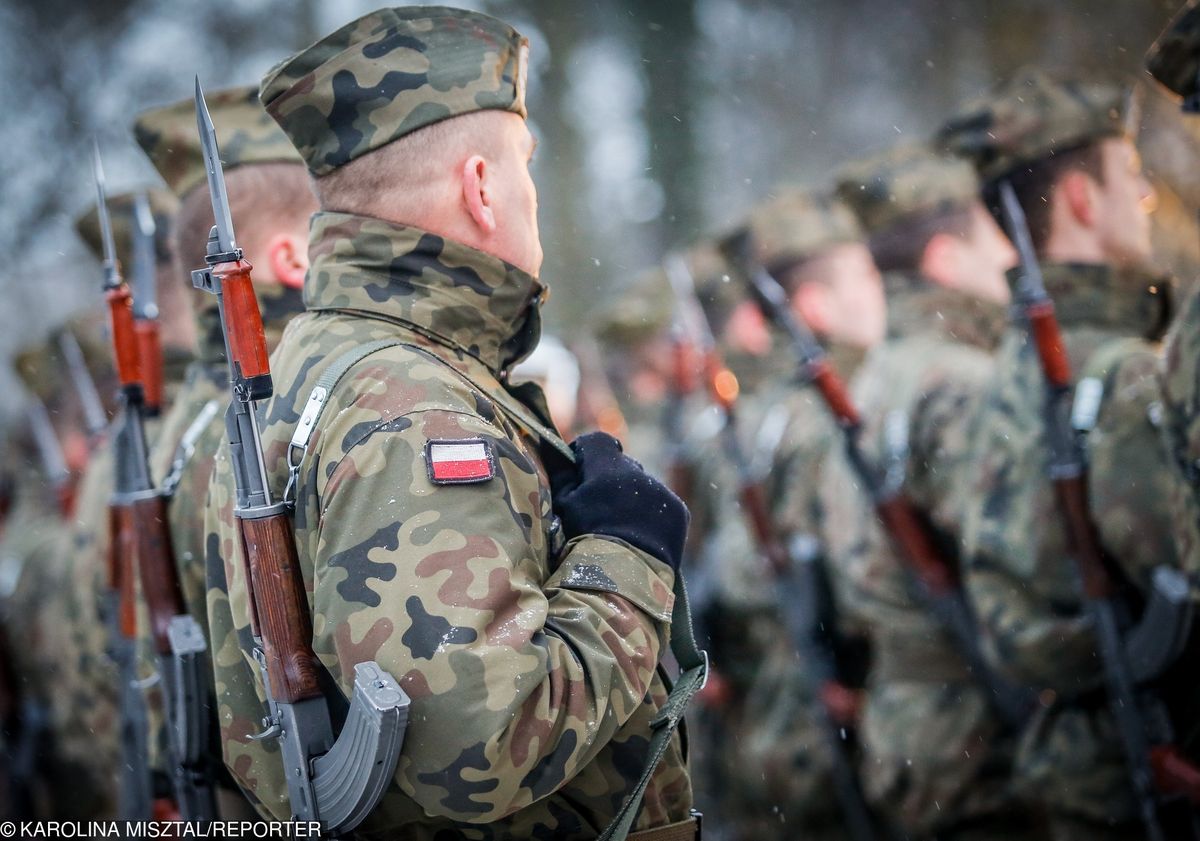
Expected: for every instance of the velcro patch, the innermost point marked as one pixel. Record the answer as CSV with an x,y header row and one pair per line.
x,y
460,462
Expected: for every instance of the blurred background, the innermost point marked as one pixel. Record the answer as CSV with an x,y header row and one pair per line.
x,y
659,120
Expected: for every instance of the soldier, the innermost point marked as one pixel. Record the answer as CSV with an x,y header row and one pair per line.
x,y
85,708
936,755
1064,148
525,617
812,244
34,560
1173,61
271,199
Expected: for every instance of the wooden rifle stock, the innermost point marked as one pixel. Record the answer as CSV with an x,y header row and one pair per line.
x,y
156,564
1174,774
122,548
911,538
281,620
1047,339
150,355
834,393
124,336
754,502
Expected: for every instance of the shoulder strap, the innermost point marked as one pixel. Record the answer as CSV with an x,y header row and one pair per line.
x,y
693,662
315,407
187,446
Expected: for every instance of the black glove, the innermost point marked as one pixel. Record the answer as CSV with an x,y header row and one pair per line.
x,y
610,494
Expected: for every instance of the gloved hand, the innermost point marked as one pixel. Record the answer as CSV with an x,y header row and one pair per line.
x,y
610,494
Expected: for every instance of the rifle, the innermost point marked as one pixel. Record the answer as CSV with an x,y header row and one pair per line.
x,y
131,483
139,511
339,782
1165,784
145,305
934,576
50,453
797,578
94,417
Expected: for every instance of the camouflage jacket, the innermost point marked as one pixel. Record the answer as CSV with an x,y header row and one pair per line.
x,y
785,755
1019,573
933,754
1181,425
86,712
532,667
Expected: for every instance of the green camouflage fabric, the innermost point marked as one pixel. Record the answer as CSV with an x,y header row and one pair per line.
x,y
796,224
785,760
532,667
390,73
1181,410
935,757
903,182
1172,60
1032,117
121,214
646,308
33,553
245,135
1019,573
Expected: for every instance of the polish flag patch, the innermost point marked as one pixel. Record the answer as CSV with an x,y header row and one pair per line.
x,y
459,462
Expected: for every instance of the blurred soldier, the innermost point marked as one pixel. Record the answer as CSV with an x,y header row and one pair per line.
x,y
1064,148
936,756
85,709
34,558
812,244
525,618
1174,61
271,200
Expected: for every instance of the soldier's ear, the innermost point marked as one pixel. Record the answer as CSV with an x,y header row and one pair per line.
x,y
287,255
810,303
941,260
476,192
1078,194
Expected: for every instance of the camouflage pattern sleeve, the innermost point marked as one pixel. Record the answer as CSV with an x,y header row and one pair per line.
x,y
1181,413
449,592
1021,577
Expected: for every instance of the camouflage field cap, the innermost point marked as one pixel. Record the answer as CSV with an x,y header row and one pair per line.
x,y
646,307
120,211
798,224
888,188
390,73
245,135
1031,118
1174,59
41,369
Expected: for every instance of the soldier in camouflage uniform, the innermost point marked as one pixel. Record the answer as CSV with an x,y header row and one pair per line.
x,y
85,709
272,200
936,755
33,555
812,244
1064,148
525,617
1173,61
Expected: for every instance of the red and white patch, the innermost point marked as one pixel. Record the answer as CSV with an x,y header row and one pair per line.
x,y
459,462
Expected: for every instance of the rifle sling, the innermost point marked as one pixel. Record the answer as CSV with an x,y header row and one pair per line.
x,y
693,662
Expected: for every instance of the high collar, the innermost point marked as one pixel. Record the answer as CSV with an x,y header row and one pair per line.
x,y
276,302
457,296
1131,301
917,306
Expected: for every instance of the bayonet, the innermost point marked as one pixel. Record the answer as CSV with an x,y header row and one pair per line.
x,y
216,175
94,416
